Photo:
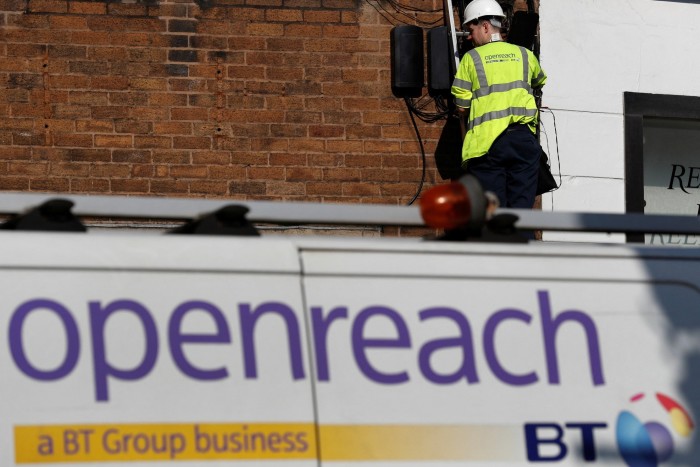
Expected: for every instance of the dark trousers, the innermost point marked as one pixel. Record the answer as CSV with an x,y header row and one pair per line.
x,y
510,168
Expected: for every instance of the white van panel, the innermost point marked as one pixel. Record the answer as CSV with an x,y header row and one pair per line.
x,y
628,326
132,350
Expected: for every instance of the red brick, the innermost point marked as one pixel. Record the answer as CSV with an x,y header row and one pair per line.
x,y
248,188
129,185
211,157
345,31
72,140
284,43
322,188
245,71
342,174
192,142
27,168
413,175
360,74
266,173
399,189
250,158
303,30
364,132
385,175
88,98
284,73
167,187
49,184
325,160
362,160
189,113
25,110
360,189
306,145
162,142
172,128
113,141
71,23
265,29
131,155
286,15
167,99
133,126
326,131
47,6
227,172
148,113
288,160
302,3
69,169
344,146
87,8
302,174
288,130
110,111
285,188
188,171
209,187
15,153
142,171
389,147
110,170
89,155
92,185
97,126
314,16
14,184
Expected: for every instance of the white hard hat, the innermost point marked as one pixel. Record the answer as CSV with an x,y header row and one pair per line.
x,y
480,8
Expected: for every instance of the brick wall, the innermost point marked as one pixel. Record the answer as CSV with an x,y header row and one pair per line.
x,y
241,99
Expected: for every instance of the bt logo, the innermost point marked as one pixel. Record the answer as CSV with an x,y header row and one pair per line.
x,y
648,444
639,444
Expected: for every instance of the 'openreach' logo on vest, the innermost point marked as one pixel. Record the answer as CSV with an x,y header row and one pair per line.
x,y
509,57
648,444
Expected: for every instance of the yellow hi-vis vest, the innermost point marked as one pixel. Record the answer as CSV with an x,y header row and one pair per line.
x,y
496,81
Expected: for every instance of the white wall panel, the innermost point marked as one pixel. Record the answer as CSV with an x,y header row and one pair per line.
x,y
593,52
590,144
583,194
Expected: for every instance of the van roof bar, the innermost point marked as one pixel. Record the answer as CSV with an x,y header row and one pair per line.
x,y
300,213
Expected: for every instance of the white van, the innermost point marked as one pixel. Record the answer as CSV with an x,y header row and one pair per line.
x,y
200,350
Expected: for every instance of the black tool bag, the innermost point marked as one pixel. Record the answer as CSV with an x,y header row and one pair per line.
x,y
545,179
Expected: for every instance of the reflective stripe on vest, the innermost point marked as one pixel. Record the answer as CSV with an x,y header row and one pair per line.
x,y
460,83
496,114
484,89
540,77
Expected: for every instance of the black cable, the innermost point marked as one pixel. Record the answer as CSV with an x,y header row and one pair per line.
x,y
556,139
422,151
382,14
418,106
412,8
402,10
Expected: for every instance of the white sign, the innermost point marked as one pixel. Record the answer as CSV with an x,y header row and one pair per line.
x,y
672,174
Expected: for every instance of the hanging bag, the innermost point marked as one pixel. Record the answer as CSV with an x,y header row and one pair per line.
x,y
545,179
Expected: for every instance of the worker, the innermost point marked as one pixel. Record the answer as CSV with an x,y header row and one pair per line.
x,y
493,88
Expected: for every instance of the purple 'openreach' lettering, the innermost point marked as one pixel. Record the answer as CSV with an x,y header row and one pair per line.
x,y
349,329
